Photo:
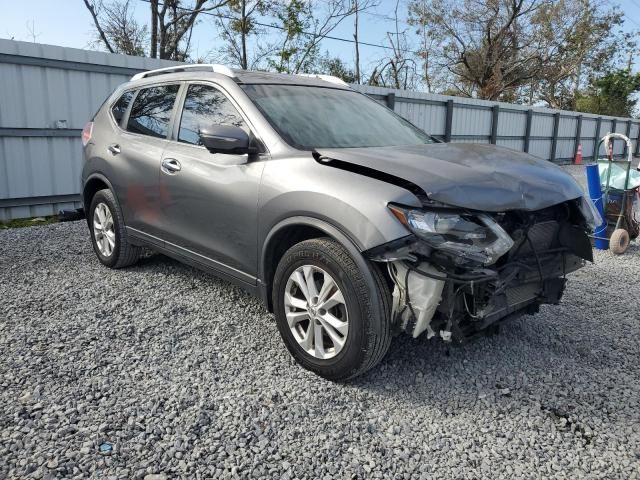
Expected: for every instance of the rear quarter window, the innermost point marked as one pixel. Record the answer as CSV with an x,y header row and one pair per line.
x,y
120,107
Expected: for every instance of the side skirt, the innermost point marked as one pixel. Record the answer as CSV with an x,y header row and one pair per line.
x,y
248,283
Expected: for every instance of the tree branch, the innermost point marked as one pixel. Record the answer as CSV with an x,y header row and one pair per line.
x,y
96,22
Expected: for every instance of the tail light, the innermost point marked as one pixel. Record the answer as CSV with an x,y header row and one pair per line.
x,y
87,131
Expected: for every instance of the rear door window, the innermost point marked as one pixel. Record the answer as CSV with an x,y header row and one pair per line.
x,y
151,111
204,106
120,107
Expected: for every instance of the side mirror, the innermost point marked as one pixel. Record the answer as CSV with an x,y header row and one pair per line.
x,y
227,139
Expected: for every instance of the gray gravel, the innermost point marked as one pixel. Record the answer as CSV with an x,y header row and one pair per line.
x,y
185,376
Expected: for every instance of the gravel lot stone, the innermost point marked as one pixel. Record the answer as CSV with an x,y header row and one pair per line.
x,y
185,376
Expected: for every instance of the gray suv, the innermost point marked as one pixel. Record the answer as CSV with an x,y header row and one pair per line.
x,y
351,224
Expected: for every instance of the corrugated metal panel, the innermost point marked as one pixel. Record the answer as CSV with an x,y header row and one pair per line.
x,y
511,143
565,149
567,126
540,148
39,166
512,124
47,87
428,117
588,127
542,126
471,122
37,97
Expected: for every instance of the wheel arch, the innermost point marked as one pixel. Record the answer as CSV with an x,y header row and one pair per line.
x,y
92,185
293,230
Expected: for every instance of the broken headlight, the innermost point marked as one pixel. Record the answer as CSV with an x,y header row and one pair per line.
x,y
473,237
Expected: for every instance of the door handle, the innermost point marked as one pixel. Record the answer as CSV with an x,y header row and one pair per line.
x,y
114,149
170,166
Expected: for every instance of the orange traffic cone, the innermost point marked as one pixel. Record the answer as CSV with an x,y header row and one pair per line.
x,y
578,160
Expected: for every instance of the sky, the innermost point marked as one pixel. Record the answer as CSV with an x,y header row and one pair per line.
x,y
68,23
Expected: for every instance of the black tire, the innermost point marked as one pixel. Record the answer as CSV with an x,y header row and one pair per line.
x,y
369,332
124,254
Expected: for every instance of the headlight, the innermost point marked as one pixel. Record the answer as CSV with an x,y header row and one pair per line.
x,y
474,237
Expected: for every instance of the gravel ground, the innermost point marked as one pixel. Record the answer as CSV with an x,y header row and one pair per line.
x,y
185,376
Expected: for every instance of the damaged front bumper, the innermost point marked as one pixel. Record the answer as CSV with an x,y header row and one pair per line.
x,y
439,295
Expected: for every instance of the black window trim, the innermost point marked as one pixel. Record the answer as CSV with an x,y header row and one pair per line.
x,y
126,113
135,96
182,95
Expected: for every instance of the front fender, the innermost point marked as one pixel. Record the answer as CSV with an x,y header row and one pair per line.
x,y
353,204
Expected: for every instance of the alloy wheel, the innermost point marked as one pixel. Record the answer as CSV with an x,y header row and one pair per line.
x,y
103,229
316,312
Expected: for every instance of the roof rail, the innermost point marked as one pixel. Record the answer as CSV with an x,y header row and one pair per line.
x,y
326,78
202,67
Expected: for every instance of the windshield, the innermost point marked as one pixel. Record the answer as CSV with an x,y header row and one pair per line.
x,y
318,117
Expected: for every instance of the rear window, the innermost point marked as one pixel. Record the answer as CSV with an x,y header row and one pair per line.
x,y
120,107
151,111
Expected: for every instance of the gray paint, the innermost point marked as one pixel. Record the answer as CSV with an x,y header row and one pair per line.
x,y
43,84
479,177
207,212
223,213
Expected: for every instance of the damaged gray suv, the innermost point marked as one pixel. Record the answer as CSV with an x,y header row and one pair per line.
x,y
350,223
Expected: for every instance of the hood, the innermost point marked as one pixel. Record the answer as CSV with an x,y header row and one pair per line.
x,y
466,175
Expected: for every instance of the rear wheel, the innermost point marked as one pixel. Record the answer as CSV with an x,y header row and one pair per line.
x,y
324,310
108,233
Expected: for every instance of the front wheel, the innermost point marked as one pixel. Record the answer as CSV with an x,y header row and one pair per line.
x,y
324,310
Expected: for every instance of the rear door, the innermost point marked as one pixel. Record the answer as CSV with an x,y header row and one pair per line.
x,y
209,201
138,152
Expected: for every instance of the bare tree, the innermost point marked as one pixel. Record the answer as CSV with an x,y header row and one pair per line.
x,y
118,26
359,6
398,70
433,75
93,8
174,22
487,44
171,25
305,23
31,28
238,23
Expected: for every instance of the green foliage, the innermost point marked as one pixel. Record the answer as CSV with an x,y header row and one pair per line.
x,y
240,21
329,65
304,24
611,94
524,50
28,222
296,53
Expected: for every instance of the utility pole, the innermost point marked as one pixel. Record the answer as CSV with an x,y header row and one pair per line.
x,y
355,37
153,52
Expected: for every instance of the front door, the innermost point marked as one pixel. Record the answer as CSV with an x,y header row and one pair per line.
x,y
209,201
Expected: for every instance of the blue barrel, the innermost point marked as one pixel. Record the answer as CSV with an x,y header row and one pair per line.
x,y
595,192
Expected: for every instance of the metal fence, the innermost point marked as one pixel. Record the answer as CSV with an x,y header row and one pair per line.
x,y
549,134
48,93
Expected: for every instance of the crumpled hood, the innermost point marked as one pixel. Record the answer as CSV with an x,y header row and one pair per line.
x,y
474,176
